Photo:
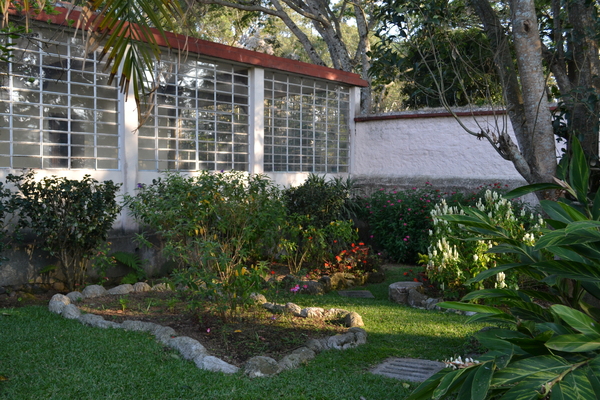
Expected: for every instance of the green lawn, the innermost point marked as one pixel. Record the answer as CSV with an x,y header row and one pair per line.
x,y
44,356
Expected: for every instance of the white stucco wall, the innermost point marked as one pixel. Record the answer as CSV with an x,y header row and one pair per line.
x,y
435,149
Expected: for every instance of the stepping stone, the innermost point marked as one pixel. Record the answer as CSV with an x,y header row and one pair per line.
x,y
361,294
408,369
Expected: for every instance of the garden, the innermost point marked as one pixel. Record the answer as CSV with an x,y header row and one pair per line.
x,y
529,277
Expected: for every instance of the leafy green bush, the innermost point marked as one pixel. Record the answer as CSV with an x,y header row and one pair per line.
x,y
321,200
399,221
452,259
215,221
553,348
71,217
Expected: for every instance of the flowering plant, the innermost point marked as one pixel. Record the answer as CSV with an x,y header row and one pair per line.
x,y
453,257
357,259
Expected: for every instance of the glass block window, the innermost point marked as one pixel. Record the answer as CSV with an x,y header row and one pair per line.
x,y
57,109
200,117
306,125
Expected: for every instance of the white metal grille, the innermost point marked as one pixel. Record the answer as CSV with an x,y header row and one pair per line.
x,y
57,109
306,125
200,118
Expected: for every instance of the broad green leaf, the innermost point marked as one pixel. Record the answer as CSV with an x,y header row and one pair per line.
x,y
556,328
543,368
575,386
596,206
495,293
532,312
594,365
572,255
569,269
561,238
556,212
574,343
577,320
425,390
497,339
470,307
581,225
465,389
524,190
541,295
579,172
594,381
488,273
450,381
492,319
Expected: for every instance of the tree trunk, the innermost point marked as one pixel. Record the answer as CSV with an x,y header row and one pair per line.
x,y
528,48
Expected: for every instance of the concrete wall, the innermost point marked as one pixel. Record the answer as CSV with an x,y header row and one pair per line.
x,y
410,149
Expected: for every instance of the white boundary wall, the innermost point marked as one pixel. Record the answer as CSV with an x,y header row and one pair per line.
x,y
410,149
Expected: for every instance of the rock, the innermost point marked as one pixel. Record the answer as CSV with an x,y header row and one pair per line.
x,y
353,319
93,291
312,287
59,286
125,288
164,333
58,302
260,366
325,282
70,311
274,308
338,281
211,363
360,335
398,292
141,287
161,287
312,312
293,309
298,357
316,345
342,341
75,296
188,348
258,298
335,313
91,320
416,298
375,277
139,326
430,303
2,290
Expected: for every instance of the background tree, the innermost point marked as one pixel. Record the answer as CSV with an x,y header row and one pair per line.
x,y
533,46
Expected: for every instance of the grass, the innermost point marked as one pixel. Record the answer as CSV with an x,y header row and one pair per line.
x,y
44,356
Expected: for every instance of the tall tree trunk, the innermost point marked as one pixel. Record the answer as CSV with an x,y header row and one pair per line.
x,y
528,48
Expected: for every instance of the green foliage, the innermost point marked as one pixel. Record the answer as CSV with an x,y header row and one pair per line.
x,y
132,261
215,221
305,243
6,209
230,295
551,352
453,259
71,217
399,221
321,200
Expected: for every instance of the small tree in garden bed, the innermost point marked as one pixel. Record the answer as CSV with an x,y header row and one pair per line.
x,y
358,259
71,217
213,222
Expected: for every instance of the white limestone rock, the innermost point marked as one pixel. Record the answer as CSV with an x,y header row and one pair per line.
x,y
75,296
188,348
70,311
93,291
353,319
139,287
57,303
261,366
125,288
211,363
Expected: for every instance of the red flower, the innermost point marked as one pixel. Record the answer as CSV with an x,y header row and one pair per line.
x,y
361,244
272,272
416,280
406,273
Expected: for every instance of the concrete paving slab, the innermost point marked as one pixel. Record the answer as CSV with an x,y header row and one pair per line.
x,y
362,294
408,369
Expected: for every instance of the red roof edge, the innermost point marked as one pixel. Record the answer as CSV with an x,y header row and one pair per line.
x,y
65,17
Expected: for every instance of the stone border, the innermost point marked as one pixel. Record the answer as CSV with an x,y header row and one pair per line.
x,y
191,349
409,293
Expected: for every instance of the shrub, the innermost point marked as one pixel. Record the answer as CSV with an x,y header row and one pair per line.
x,y
452,258
71,218
216,221
552,349
399,221
356,259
